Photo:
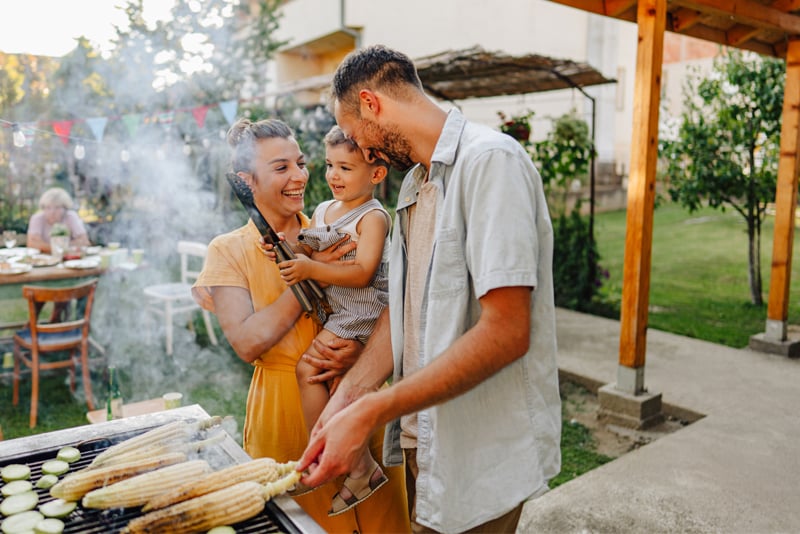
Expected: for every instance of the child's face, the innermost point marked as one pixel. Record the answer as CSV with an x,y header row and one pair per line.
x,y
349,176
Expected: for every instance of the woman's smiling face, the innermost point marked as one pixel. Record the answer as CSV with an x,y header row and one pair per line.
x,y
279,176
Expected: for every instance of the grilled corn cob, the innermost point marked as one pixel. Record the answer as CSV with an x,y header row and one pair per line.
x,y
75,485
222,507
158,449
137,490
261,470
164,436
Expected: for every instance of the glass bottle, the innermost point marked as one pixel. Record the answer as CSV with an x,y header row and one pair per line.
x,y
114,402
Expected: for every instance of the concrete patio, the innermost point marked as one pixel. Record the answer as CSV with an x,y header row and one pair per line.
x,y
736,470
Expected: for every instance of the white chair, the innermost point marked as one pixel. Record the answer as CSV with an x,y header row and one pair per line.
x,y
170,299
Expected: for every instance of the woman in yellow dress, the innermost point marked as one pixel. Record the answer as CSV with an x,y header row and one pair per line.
x,y
264,324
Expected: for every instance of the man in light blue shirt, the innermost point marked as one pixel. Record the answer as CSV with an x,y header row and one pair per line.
x,y
470,334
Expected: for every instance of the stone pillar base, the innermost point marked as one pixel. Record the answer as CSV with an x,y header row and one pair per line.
x,y
787,347
631,411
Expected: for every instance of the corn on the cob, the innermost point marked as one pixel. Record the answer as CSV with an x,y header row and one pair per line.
x,y
261,470
75,485
164,436
222,507
137,490
160,448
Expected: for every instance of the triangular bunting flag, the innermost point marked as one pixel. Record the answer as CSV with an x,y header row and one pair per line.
x,y
229,109
131,122
98,126
199,115
62,129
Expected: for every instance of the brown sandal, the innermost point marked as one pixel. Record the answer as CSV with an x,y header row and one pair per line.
x,y
360,489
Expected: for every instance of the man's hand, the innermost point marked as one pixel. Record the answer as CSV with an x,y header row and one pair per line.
x,y
337,356
344,431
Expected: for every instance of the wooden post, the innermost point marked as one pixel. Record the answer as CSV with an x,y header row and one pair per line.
x,y
651,16
785,200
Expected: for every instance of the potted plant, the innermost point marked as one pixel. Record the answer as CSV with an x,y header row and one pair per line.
x,y
517,126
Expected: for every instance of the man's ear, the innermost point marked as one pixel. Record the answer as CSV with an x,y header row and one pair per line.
x,y
379,174
370,103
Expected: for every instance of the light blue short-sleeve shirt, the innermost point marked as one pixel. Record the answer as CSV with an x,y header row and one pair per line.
x,y
484,452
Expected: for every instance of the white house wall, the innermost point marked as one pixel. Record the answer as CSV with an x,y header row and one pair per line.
x,y
425,27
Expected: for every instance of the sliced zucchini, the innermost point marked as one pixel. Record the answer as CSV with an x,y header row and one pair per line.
x,y
46,481
55,467
68,454
58,508
22,522
15,472
49,526
224,529
16,486
21,502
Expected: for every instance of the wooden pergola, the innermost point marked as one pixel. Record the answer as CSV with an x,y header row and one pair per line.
x,y
768,27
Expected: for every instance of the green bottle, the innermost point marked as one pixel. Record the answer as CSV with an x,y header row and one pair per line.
x,y
114,402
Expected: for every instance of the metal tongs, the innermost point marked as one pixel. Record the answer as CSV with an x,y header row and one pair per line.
x,y
308,293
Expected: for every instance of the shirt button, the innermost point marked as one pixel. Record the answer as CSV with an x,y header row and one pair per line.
x,y
408,198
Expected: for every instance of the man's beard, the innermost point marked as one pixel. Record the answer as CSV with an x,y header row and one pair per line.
x,y
393,148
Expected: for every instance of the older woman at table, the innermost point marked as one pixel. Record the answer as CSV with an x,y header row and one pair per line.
x,y
265,325
55,207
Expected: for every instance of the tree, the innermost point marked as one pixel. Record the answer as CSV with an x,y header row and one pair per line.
x,y
723,151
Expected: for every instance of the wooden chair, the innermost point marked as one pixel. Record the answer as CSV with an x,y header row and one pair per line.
x,y
39,339
170,299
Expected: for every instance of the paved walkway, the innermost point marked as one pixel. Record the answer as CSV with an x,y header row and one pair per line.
x,y
736,470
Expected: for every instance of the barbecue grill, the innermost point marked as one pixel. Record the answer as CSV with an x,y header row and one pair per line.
x,y
281,514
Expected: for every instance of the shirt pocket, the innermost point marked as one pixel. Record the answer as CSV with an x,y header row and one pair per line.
x,y
449,267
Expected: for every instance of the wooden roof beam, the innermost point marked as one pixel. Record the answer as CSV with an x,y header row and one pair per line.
x,y
741,33
684,18
615,8
747,12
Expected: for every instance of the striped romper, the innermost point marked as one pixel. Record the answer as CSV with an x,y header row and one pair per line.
x,y
354,309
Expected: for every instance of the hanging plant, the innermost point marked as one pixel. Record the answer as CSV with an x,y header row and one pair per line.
x,y
517,126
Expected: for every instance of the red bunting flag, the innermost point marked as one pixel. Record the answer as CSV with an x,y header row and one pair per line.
x,y
62,129
199,115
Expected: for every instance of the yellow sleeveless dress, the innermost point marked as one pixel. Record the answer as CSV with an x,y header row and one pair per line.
x,y
274,425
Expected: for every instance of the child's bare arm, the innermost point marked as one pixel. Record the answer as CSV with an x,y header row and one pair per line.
x,y
372,235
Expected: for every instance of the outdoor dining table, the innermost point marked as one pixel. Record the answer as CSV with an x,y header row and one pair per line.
x,y
54,276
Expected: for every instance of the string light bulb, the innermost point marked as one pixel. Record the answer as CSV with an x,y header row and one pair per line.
x,y
125,155
80,151
19,136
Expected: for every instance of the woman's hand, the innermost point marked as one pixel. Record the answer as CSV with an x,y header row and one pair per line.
x,y
337,356
268,249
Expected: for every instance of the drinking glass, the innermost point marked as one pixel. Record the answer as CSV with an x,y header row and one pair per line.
x,y
10,238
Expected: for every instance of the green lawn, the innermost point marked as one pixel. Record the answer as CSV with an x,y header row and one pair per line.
x,y
699,285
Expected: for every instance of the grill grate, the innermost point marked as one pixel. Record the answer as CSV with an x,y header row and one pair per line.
x,y
84,520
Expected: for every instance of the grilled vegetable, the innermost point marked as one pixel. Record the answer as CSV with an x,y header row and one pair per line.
x,y
222,507
49,526
75,485
19,486
15,472
137,490
68,454
175,436
261,470
55,467
58,508
46,481
21,502
22,522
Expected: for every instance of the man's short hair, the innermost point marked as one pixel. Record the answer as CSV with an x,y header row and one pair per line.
x,y
374,67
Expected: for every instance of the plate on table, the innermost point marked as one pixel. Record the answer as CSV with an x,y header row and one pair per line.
x,y
40,260
14,268
93,250
82,264
18,251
